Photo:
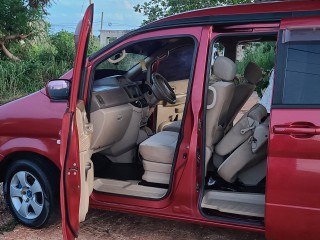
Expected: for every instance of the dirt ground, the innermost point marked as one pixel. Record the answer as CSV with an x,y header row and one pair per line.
x,y
121,226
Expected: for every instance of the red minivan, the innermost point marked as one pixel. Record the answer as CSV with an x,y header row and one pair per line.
x,y
147,125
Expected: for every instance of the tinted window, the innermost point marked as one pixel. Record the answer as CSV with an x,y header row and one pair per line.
x,y
177,65
302,73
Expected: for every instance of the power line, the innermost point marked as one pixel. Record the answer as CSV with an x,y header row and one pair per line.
x,y
96,23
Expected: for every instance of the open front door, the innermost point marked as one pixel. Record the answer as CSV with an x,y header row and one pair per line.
x,y
293,197
76,166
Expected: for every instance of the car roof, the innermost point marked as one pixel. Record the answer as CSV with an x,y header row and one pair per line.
x,y
256,8
243,13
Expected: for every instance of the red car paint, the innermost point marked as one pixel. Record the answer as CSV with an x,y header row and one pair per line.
x,y
33,124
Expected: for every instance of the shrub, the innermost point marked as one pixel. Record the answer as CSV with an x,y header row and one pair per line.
x,y
64,45
41,60
262,54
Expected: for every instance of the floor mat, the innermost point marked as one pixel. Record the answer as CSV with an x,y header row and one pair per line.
x,y
104,168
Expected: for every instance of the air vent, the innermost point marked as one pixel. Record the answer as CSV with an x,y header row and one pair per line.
x,y
100,99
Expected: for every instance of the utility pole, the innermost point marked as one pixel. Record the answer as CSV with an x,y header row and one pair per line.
x,y
101,21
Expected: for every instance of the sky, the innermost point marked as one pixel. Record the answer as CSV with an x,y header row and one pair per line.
x,y
118,14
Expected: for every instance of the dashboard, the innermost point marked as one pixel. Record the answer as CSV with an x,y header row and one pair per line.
x,y
118,110
114,91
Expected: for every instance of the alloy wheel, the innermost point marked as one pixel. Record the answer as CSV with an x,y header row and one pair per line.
x,y
26,195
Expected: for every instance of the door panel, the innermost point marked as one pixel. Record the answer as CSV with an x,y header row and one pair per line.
x,y
167,113
70,179
293,197
85,130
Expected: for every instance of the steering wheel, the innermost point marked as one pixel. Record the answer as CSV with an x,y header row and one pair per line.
x,y
161,89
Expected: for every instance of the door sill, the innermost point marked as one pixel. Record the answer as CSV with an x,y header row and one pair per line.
x,y
128,188
239,203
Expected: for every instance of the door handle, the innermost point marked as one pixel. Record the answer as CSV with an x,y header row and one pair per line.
x,y
297,128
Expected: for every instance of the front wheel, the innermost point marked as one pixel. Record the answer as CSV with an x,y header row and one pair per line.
x,y
28,192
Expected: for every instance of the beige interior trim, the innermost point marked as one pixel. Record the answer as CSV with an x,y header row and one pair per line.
x,y
130,188
85,130
214,97
110,125
156,177
156,166
166,113
130,136
248,204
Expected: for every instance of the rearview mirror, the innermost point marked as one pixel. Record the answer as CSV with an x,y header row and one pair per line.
x,y
58,89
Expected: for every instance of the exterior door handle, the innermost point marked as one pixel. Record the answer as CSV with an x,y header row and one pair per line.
x,y
297,129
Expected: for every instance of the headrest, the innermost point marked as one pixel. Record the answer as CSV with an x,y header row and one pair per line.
x,y
224,68
257,112
253,73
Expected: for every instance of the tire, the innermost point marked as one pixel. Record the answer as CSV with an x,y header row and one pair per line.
x,y
28,190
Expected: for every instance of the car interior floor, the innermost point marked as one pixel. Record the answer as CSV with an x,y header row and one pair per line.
x,y
105,168
123,179
235,199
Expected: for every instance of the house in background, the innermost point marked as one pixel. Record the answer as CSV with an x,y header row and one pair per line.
x,y
107,36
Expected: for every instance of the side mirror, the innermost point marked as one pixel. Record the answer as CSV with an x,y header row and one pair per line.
x,y
58,89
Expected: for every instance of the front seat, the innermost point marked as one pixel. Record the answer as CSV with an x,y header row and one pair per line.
x,y
243,91
244,147
158,150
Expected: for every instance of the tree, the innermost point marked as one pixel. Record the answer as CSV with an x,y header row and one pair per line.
x,y
18,20
156,9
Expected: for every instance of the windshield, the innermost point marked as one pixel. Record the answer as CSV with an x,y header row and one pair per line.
x,y
122,61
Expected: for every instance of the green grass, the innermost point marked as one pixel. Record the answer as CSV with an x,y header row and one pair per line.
x,y
18,79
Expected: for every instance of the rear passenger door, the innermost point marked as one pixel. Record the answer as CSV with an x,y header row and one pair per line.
x,y
293,176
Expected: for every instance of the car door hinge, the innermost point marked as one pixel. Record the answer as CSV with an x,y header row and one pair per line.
x,y
198,157
199,124
74,169
197,187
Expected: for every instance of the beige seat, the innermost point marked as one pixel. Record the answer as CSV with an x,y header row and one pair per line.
x,y
158,150
244,147
157,153
173,127
218,101
243,91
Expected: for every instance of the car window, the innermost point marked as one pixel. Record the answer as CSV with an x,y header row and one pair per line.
x,y
173,65
302,73
177,65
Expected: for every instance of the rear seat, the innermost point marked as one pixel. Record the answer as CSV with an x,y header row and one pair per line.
x,y
244,147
